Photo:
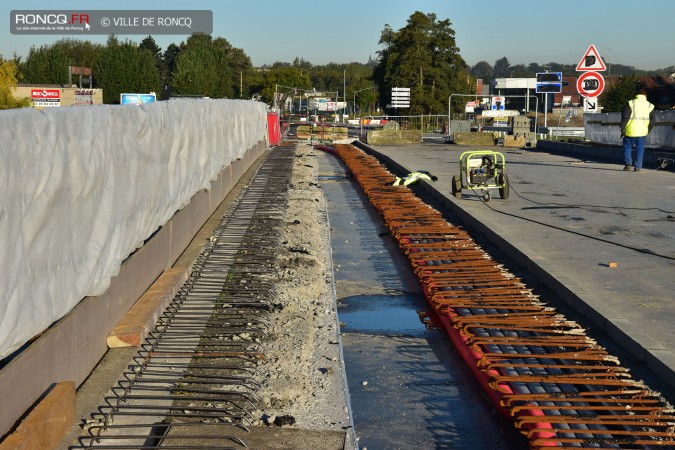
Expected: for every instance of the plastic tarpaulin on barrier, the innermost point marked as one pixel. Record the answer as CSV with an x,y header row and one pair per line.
x,y
82,188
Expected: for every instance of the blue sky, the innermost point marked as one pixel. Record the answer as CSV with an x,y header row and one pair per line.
x,y
625,32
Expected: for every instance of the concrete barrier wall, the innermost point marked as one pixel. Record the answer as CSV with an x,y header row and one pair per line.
x,y
604,129
394,137
607,153
469,138
71,347
84,187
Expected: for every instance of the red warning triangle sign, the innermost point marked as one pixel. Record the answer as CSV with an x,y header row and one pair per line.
x,y
591,61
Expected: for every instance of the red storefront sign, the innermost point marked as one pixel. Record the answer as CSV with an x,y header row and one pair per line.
x,y
45,94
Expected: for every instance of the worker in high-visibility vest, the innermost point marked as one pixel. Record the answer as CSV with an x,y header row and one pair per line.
x,y
637,120
413,177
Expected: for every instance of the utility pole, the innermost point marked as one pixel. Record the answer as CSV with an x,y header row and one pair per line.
x,y
344,90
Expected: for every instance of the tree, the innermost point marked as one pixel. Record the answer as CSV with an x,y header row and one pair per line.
x,y
196,68
359,78
301,63
520,71
155,50
9,75
210,67
564,68
502,68
80,53
124,67
169,59
615,96
288,77
620,69
424,56
49,63
149,44
240,66
483,70
535,68
327,78
46,65
365,99
170,56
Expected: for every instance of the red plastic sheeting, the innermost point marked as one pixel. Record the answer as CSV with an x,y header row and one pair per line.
x,y
273,131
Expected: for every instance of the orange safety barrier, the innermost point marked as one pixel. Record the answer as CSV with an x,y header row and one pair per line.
x,y
560,388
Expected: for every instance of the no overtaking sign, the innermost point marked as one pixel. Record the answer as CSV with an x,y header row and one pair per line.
x,y
590,84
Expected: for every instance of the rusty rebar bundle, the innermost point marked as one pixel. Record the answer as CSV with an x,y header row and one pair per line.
x,y
559,387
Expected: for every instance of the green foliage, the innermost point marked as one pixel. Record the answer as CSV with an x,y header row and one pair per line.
x,y
210,67
535,68
483,70
423,56
520,71
46,65
9,74
360,88
196,68
79,53
242,71
125,68
330,78
288,77
622,70
502,68
49,63
614,97
150,45
169,59
300,63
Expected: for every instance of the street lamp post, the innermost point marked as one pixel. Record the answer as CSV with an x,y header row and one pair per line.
x,y
354,104
344,88
365,89
293,91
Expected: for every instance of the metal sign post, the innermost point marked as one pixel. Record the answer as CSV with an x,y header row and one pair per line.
x,y
400,97
547,83
591,83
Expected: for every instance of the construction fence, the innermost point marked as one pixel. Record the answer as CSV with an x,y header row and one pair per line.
x,y
434,126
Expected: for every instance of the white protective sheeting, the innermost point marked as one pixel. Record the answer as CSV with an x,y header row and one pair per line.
x,y
604,128
83,187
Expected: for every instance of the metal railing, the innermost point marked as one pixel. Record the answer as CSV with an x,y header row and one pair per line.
x,y
432,126
579,132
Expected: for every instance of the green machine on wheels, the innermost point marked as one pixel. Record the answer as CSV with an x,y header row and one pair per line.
x,y
484,170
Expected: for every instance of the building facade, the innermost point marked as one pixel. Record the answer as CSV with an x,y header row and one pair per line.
x,y
54,95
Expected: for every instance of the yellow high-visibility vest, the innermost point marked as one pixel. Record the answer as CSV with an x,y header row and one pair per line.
x,y
638,124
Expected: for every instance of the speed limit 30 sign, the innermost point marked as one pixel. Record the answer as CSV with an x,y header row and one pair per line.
x,y
590,84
